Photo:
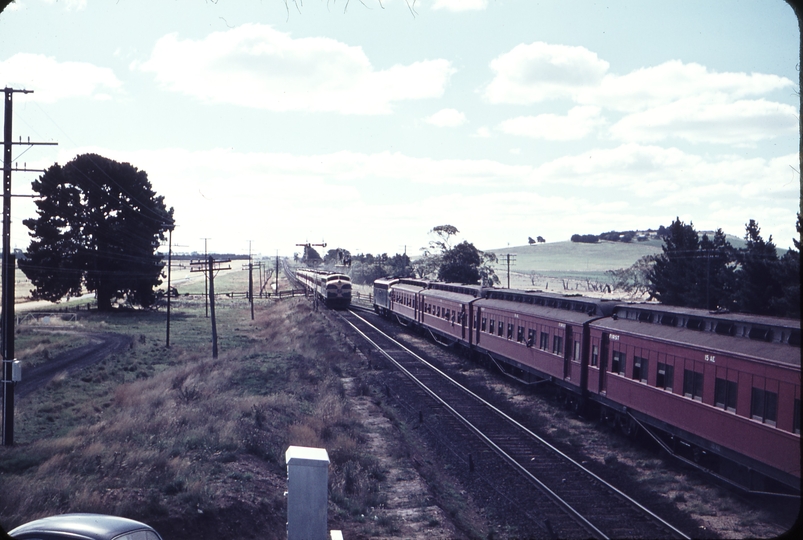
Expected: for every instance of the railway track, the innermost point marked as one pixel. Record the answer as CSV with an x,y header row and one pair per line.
x,y
552,495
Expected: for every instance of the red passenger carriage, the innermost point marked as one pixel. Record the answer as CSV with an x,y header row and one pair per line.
x,y
712,383
700,378
446,310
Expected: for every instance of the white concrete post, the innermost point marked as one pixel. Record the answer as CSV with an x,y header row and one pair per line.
x,y
307,493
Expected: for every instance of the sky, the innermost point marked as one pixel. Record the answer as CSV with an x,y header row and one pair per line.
x,y
363,125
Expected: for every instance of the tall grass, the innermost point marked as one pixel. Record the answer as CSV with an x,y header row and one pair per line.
x,y
182,435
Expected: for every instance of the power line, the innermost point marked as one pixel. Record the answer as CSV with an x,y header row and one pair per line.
x,y
9,265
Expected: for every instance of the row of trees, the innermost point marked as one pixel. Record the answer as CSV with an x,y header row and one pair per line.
x,y
99,224
461,263
614,236
709,273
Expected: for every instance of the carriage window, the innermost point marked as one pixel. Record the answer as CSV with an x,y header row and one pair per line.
x,y
594,355
693,384
484,320
492,327
576,351
764,405
618,362
530,337
501,328
640,369
557,345
725,394
520,334
544,341
666,375
509,330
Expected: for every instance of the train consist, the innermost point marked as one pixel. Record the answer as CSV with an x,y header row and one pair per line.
x,y
332,288
719,388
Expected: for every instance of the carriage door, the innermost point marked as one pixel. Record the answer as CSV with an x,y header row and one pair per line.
x,y
603,364
463,320
477,315
567,354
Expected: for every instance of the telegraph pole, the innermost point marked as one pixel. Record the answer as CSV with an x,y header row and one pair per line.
x,y
9,264
206,283
169,292
211,263
208,267
511,258
250,280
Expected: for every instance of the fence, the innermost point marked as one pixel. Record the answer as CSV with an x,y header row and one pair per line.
x,y
45,318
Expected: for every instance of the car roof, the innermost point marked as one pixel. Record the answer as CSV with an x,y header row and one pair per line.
x,y
82,526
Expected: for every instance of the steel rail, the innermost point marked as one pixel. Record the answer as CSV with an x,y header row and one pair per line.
x,y
587,525
523,428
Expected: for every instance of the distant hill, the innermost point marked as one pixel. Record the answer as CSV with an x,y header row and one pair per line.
x,y
575,258
579,260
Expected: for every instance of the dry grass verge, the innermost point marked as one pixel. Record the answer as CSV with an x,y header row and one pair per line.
x,y
192,445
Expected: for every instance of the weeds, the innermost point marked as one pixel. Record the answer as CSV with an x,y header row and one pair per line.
x,y
152,432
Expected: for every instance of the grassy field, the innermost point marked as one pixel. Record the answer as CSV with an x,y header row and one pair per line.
x,y
193,445
575,259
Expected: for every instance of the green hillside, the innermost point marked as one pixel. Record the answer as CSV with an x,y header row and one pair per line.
x,y
575,259
579,260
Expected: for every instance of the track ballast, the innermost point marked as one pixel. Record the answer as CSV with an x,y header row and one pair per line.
x,y
552,495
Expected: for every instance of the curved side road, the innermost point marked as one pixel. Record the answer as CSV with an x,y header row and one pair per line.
x,y
101,345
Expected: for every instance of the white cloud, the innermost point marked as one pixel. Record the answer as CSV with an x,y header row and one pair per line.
x,y
483,132
653,173
671,100
701,119
257,66
460,5
578,123
447,118
631,185
673,81
69,4
52,80
538,71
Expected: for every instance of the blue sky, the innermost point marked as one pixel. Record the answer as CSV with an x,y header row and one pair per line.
x,y
365,125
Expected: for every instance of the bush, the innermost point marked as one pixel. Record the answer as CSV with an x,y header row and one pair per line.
x,y
585,238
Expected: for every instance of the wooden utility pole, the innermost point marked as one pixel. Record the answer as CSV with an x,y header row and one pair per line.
x,y
206,283
9,263
511,258
209,266
211,263
250,280
169,292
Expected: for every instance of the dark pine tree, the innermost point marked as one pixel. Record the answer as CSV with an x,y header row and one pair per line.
x,y
674,279
789,275
758,287
715,273
98,227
